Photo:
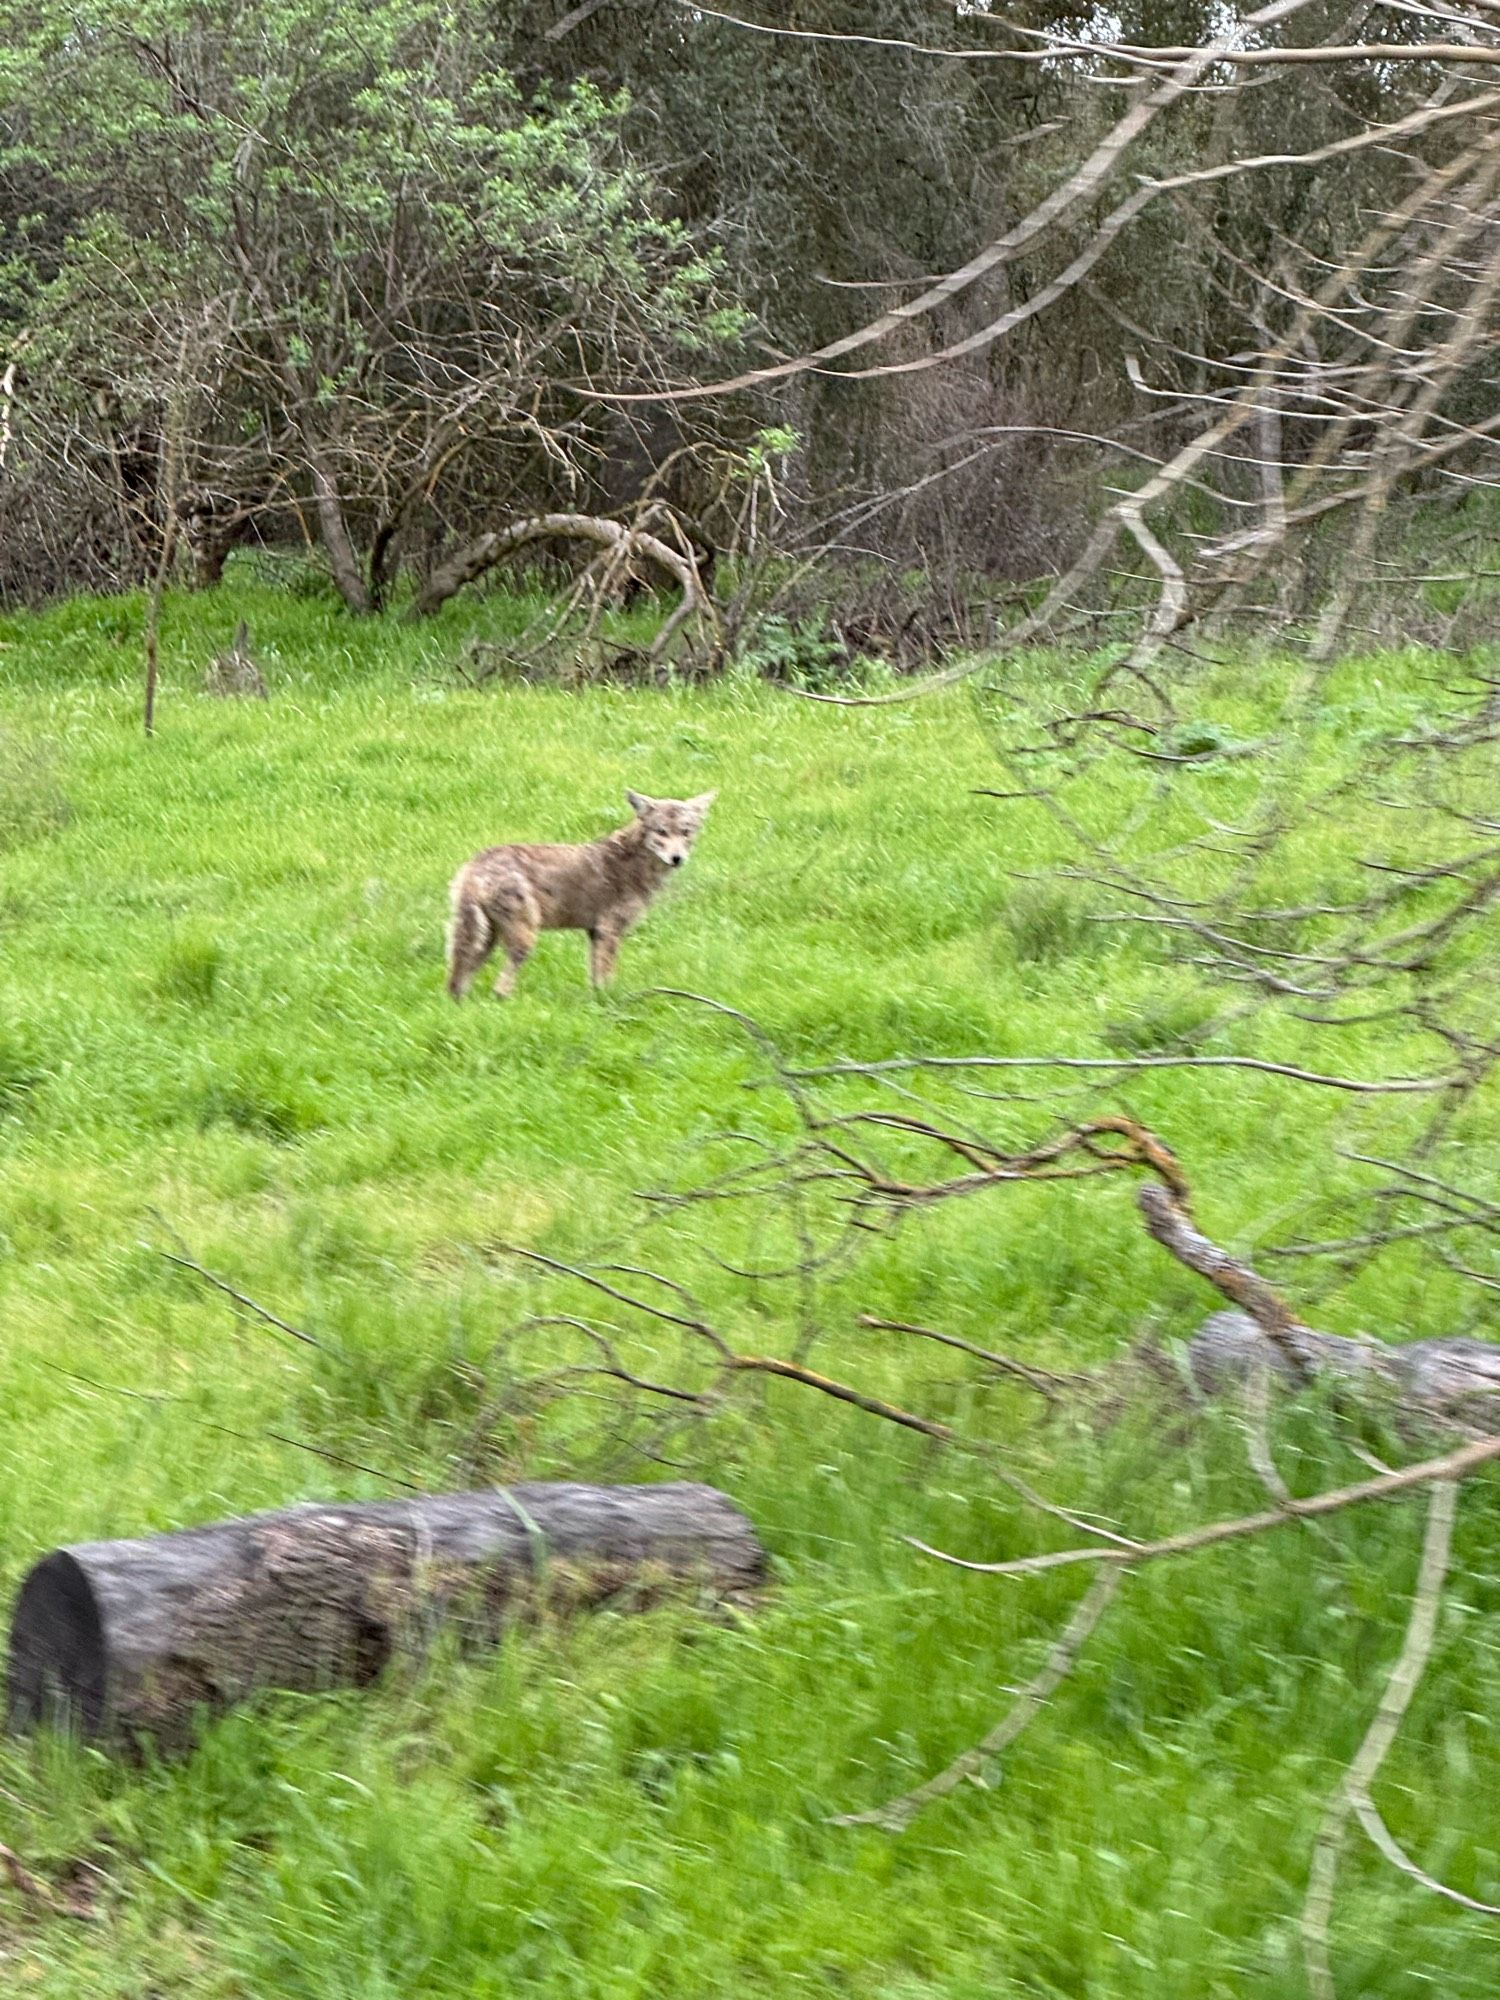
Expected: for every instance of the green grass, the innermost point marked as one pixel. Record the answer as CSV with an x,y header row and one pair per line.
x,y
222,1032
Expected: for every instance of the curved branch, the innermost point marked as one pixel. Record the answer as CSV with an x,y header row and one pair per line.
x,y
1169,1224
1080,187
896,1814
1368,1815
482,554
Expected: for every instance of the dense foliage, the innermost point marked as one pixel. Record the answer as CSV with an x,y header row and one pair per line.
x,y
322,259
372,274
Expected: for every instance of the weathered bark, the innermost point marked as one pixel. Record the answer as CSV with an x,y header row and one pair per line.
x,y
1447,1374
1450,1376
1165,1211
334,529
480,555
383,557
137,1638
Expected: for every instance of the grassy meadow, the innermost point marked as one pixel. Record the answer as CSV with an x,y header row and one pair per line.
x,y
223,1035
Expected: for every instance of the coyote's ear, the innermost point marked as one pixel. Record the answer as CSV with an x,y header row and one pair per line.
x,y
701,804
639,804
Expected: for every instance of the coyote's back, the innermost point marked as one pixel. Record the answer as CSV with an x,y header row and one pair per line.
x,y
507,895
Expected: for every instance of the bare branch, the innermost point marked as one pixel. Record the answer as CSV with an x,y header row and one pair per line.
x,y
1044,1382
898,1813
1124,1065
1410,1664
221,1285
1168,1222
1365,1812
1459,1464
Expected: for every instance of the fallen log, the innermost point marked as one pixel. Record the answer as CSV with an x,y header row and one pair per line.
x,y
119,1640
1444,1374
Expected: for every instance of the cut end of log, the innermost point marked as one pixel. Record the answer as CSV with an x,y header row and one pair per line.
x,y
58,1665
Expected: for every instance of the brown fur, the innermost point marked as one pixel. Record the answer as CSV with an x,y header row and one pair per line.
x,y
235,672
507,895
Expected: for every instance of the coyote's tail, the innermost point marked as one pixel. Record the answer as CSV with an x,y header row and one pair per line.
x,y
470,935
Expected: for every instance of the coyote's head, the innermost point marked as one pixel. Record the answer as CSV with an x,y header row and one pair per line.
x,y
671,825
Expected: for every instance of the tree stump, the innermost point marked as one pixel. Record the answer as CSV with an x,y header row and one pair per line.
x,y
119,1640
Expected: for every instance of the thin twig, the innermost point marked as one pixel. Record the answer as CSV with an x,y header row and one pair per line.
x,y
161,1397
1382,1086
1042,1380
221,1285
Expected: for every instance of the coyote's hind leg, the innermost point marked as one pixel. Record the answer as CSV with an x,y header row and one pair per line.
x,y
517,920
471,939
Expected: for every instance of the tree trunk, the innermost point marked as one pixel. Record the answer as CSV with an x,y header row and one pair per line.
x,y
383,556
135,1638
334,529
211,523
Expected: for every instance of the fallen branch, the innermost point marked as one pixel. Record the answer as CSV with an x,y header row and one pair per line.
x,y
791,1371
240,1299
1443,1374
1455,1465
1381,1734
623,544
1168,1222
897,1814
1374,1087
1042,1380
1368,1815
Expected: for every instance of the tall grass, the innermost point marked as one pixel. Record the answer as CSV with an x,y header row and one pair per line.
x,y
222,1033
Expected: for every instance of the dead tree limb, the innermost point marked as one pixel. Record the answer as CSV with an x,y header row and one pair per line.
x,y
1354,1787
622,542
1169,1223
1368,1815
1455,1465
1043,1380
898,1813
1450,1373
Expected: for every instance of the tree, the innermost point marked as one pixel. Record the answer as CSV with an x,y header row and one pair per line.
x,y
387,283
883,141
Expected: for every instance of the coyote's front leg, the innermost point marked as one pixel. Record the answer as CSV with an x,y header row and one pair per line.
x,y
604,949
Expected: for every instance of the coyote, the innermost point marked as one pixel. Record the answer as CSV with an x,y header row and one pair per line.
x,y
507,894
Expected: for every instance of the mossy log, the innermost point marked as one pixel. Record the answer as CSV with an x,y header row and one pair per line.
x,y
120,1640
